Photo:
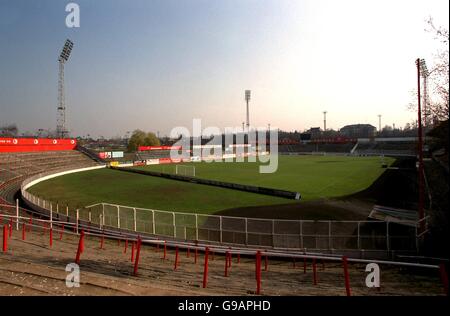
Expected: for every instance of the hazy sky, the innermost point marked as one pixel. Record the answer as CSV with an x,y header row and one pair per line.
x,y
158,64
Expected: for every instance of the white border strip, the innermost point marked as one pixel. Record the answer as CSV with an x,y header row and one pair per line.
x,y
58,174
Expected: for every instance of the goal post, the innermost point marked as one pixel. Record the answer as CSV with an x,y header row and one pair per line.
x,y
185,170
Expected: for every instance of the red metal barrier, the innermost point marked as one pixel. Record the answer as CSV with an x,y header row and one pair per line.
x,y
314,271
205,268
7,228
195,256
346,276
138,252
176,258
188,253
80,247
5,238
227,256
258,272
444,277
82,242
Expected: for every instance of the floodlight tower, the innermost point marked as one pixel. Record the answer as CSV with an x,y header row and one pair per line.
x,y
61,129
247,100
424,73
421,69
379,123
324,121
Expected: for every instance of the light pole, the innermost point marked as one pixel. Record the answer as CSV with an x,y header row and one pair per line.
x,y
424,74
61,129
324,121
421,67
247,100
379,124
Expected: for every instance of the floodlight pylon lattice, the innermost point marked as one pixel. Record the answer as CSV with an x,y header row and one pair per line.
x,y
247,100
61,129
424,73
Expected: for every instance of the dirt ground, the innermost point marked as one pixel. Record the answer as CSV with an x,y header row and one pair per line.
x,y
31,267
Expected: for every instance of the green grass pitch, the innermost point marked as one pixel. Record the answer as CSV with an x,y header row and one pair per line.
x,y
314,177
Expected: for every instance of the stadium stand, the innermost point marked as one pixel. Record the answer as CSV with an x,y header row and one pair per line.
x,y
90,153
16,167
386,148
336,148
155,154
302,148
312,147
362,148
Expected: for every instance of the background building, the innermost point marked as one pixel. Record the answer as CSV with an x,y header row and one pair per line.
x,y
358,131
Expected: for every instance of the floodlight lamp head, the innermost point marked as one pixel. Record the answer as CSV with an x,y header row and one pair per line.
x,y
247,95
423,68
65,53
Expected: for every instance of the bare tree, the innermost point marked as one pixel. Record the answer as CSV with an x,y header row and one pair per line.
x,y
439,74
437,107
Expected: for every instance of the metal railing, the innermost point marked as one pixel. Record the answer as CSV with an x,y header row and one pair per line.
x,y
12,219
330,236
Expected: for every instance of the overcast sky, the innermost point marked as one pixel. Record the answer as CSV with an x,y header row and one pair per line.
x,y
155,65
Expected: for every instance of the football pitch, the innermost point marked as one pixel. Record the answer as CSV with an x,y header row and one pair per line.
x,y
314,177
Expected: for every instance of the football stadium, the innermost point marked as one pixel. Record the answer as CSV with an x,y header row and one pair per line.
x,y
146,214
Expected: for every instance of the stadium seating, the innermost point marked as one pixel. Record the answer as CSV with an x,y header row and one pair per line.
x,y
386,148
311,148
15,167
394,148
153,154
